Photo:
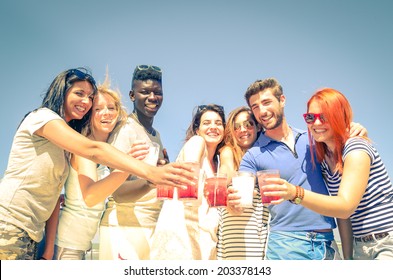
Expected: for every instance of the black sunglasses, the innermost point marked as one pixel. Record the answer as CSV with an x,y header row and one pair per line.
x,y
144,67
81,75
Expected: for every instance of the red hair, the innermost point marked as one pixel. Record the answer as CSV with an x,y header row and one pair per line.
x,y
338,113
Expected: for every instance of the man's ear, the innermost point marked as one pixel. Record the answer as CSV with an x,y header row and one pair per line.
x,y
282,100
132,95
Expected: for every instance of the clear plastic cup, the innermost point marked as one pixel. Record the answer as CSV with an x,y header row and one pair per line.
x,y
165,192
191,192
262,175
244,183
215,190
152,157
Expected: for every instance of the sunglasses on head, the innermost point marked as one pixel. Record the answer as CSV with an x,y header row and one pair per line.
x,y
144,67
81,75
209,107
310,118
246,124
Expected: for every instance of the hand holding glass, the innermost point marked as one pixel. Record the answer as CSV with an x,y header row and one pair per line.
x,y
244,183
190,192
152,157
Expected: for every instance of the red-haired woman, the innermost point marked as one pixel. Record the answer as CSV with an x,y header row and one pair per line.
x,y
357,179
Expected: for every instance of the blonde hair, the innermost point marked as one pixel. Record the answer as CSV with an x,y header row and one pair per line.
x,y
105,89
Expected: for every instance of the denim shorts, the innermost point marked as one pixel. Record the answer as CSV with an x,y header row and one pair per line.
x,y
302,245
16,244
377,249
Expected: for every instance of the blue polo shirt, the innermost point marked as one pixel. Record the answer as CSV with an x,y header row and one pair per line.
x,y
295,167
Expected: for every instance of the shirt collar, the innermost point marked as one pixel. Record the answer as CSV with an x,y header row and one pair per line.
x,y
264,140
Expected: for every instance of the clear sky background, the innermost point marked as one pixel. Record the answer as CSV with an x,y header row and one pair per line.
x,y
210,52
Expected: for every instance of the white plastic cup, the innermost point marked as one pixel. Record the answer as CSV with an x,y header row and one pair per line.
x,y
152,157
244,183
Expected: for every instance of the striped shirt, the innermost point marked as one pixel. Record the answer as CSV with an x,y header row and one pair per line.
x,y
243,237
374,213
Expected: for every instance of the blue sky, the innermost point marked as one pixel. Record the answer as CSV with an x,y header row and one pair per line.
x,y
210,52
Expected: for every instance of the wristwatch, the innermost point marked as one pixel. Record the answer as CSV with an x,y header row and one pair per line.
x,y
298,196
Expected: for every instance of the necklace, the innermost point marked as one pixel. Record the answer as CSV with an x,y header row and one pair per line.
x,y
151,131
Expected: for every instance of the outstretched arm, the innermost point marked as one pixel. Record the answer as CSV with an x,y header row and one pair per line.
x,y
94,190
59,133
351,190
133,190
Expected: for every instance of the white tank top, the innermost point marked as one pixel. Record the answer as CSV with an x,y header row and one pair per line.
x,y
78,223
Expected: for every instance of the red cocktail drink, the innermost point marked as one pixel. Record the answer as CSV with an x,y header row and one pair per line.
x,y
262,175
164,192
216,191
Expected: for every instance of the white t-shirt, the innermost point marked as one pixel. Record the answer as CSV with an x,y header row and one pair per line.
x,y
35,175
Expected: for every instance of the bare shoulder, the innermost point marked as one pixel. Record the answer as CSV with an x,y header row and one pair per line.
x,y
226,151
226,155
196,140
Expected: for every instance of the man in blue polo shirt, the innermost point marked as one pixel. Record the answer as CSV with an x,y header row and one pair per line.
x,y
295,232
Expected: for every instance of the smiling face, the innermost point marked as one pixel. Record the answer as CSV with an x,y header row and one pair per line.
x,y
320,131
78,100
211,128
245,130
147,97
104,116
267,109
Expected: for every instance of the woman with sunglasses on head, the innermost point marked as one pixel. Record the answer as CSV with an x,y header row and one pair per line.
x,y
38,162
360,187
188,230
242,232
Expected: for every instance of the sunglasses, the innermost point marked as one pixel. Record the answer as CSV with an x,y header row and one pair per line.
x,y
310,118
209,107
245,124
81,75
144,67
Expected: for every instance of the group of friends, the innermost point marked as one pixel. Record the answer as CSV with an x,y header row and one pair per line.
x,y
81,140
